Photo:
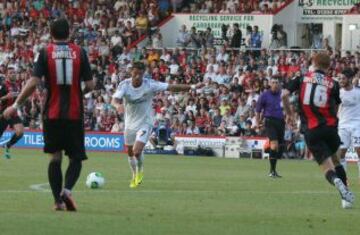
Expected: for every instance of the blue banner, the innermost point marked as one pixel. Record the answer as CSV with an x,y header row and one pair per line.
x,y
93,141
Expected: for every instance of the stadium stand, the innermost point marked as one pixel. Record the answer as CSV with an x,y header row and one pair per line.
x,y
234,79
235,6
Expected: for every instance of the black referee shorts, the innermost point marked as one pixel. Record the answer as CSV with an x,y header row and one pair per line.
x,y
65,135
323,142
275,129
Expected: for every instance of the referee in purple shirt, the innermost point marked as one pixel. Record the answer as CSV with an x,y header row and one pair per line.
x,y
269,108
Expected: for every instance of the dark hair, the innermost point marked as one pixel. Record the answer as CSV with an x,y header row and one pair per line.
x,y
139,65
60,29
348,73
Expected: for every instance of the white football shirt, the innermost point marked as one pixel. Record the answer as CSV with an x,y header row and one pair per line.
x,y
138,101
349,112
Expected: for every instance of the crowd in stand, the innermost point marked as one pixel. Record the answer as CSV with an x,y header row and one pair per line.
x,y
235,6
233,79
232,37
103,27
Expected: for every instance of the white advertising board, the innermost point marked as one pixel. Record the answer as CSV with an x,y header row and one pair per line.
x,y
214,21
320,11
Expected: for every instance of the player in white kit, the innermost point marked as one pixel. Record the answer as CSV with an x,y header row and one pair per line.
x,y
349,116
137,94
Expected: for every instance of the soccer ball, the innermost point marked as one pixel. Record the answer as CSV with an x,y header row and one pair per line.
x,y
95,180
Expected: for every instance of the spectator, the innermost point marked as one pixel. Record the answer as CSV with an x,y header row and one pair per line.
x,y
202,121
183,38
174,67
253,97
157,41
222,55
242,109
192,129
209,38
195,41
129,33
210,74
282,36
222,77
256,38
153,56
248,36
248,131
231,127
224,107
236,39
142,23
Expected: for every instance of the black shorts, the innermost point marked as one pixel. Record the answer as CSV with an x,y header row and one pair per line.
x,y
275,129
323,142
65,135
4,123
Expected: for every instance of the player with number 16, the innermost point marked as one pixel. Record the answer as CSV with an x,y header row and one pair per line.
x,y
318,103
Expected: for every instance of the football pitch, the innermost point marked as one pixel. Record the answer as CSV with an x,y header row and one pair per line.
x,y
179,195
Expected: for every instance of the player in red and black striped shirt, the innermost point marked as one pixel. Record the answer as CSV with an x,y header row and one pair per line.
x,y
318,101
64,66
9,90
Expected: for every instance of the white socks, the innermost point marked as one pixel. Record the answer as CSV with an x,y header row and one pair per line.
x,y
133,162
140,161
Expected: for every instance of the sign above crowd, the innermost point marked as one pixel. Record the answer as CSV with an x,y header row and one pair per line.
x,y
215,21
323,10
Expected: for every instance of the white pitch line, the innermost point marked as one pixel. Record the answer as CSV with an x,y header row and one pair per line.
x,y
39,187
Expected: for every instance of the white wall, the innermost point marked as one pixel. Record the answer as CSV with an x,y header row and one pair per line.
x,y
202,21
287,17
347,35
329,29
321,11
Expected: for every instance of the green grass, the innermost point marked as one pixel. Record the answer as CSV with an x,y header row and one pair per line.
x,y
180,195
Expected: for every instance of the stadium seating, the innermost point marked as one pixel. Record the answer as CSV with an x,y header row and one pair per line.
x,y
107,28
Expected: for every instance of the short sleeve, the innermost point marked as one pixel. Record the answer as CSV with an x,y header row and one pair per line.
x,y
294,84
85,66
120,91
156,86
40,64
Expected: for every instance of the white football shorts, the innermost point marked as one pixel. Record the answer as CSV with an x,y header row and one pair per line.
x,y
141,134
349,136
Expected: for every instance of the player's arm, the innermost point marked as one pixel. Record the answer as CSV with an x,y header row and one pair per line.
x,y
285,94
118,95
339,110
28,89
86,73
183,87
258,117
9,95
258,110
336,95
115,102
293,86
30,86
